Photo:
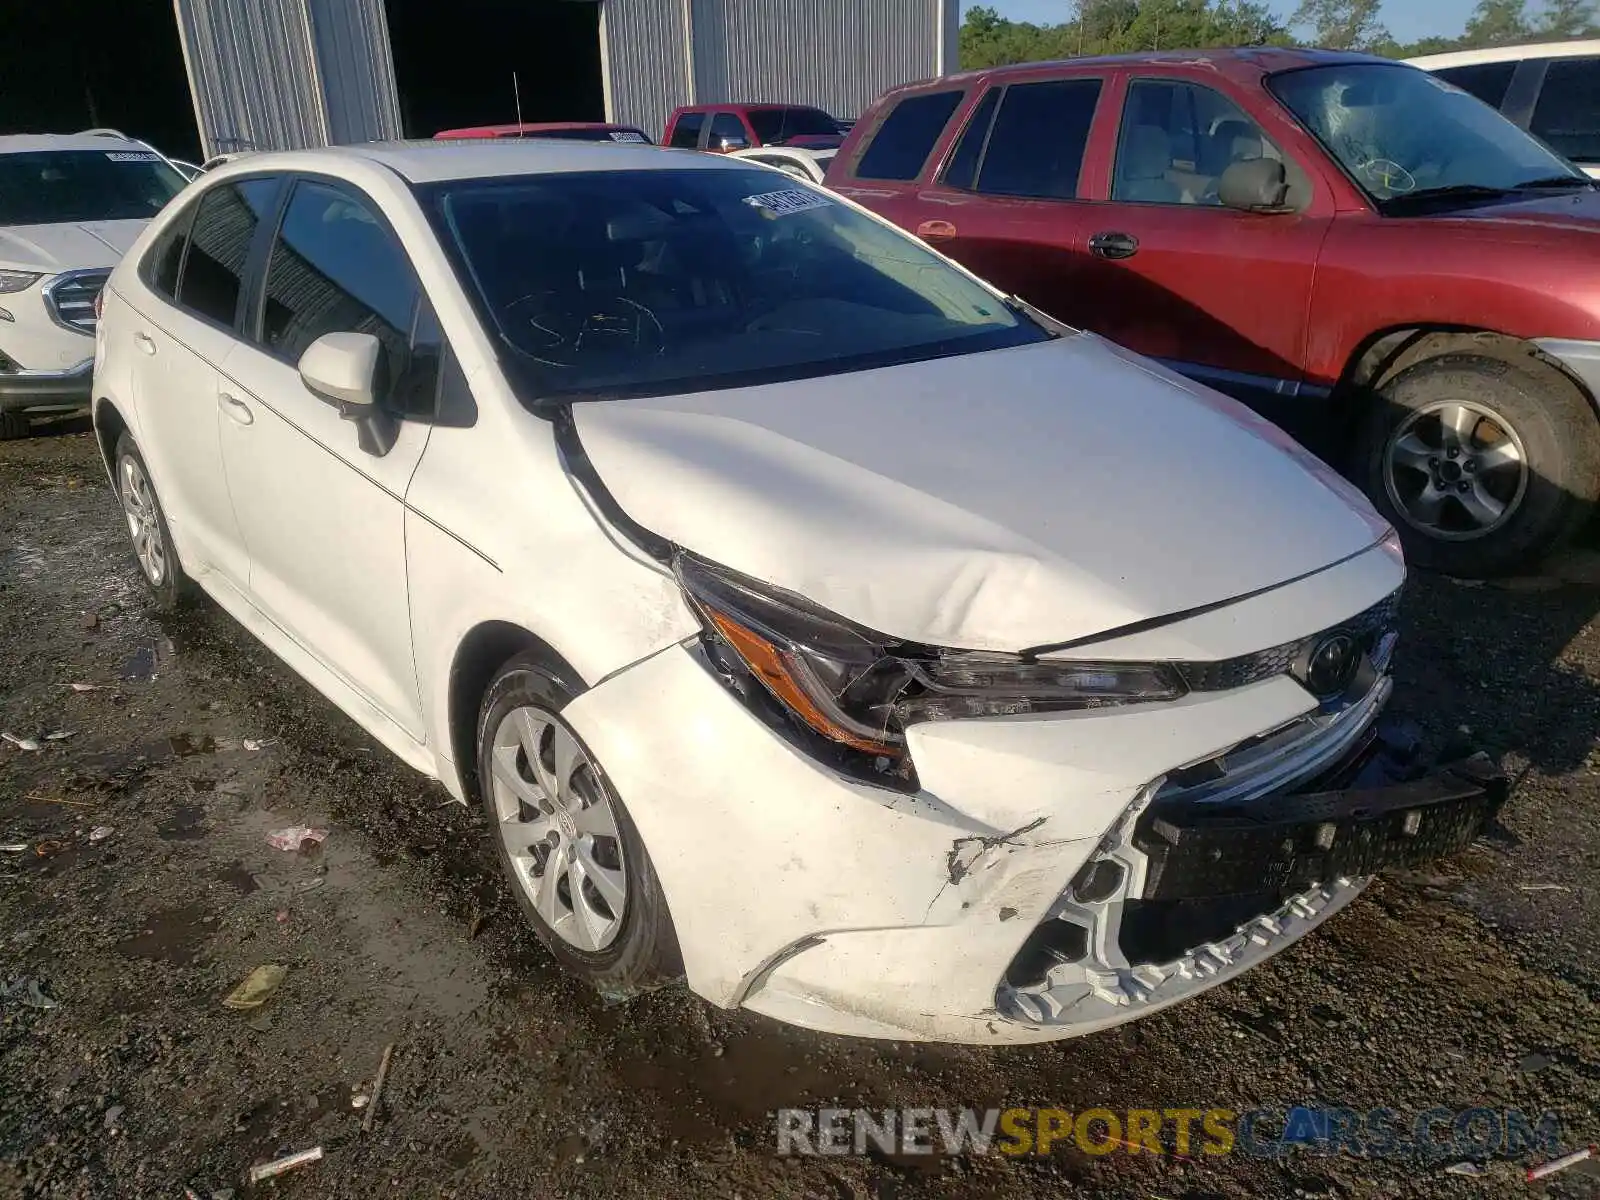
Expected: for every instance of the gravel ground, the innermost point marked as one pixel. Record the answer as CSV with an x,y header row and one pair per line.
x,y
1472,985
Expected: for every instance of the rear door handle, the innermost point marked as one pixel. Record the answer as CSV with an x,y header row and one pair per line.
x,y
236,409
936,231
145,342
1114,245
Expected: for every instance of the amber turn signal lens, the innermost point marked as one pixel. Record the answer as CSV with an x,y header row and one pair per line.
x,y
771,666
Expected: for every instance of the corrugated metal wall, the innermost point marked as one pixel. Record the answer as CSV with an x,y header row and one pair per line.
x,y
645,60
286,74
840,55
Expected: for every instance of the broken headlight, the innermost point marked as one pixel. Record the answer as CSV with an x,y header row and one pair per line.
x,y
858,690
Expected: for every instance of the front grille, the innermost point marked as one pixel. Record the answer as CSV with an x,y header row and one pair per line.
x,y
70,298
1366,628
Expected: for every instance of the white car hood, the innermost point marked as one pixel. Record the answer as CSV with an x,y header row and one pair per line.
x,y
998,501
68,246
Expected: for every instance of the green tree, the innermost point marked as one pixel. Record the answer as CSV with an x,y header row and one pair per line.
x,y
1497,23
1343,24
1562,19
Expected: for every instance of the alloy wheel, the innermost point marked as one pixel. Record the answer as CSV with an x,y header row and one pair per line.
x,y
558,827
1455,470
144,521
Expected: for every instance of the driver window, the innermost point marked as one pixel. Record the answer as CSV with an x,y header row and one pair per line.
x,y
1177,139
335,268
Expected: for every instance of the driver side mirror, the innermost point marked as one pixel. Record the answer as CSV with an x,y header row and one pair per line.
x,y
1255,185
344,369
726,145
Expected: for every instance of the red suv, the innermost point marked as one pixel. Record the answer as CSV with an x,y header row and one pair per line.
x,y
1364,253
721,128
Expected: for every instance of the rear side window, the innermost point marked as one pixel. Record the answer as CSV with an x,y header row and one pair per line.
x,y
1489,82
1040,133
686,130
963,168
907,136
224,226
335,268
1567,116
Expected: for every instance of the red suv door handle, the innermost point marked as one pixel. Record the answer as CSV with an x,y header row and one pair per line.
x,y
936,231
1113,245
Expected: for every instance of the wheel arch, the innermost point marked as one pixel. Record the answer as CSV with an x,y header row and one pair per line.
x,y
109,426
478,657
1383,354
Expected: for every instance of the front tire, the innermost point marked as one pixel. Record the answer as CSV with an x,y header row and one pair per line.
x,y
567,846
1481,464
13,426
147,528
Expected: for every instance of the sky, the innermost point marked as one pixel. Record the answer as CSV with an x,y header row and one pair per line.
x,y
1407,20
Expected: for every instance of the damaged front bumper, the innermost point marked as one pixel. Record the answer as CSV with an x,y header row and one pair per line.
x,y
1054,874
1188,892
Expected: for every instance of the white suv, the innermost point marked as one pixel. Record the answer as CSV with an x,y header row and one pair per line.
x,y
808,618
1552,90
70,205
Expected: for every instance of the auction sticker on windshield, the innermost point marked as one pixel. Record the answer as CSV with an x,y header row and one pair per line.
x,y
626,135
788,201
132,156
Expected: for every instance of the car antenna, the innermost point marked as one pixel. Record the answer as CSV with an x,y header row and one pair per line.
x,y
516,93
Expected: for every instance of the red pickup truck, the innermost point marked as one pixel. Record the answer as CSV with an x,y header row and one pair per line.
x,y
723,128
1364,253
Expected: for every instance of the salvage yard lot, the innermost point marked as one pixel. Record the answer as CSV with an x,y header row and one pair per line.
x,y
1472,985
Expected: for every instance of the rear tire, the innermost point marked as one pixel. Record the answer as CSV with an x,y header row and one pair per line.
x,y
13,426
574,859
1483,465
147,528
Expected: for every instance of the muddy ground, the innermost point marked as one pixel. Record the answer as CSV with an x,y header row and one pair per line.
x,y
1473,984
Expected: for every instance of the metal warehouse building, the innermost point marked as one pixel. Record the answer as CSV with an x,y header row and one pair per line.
x,y
275,74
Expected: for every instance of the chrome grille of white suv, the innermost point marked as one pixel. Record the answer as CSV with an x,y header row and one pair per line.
x,y
70,298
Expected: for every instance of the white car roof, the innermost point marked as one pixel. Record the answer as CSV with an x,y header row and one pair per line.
x,y
1468,58
435,161
28,143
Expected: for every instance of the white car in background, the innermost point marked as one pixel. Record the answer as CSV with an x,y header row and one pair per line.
x,y
810,620
70,205
810,165
1552,90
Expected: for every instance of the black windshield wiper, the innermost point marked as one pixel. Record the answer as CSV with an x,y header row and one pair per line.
x,y
1556,181
1433,195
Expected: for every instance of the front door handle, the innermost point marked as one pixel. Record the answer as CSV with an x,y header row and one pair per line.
x,y
936,231
145,342
1113,245
236,409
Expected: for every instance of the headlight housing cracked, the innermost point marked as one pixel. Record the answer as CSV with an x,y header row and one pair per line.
x,y
850,693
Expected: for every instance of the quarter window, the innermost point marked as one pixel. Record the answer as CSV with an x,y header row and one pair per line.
x,y
162,264
686,130
1040,133
1177,139
902,143
963,168
1567,116
224,226
335,268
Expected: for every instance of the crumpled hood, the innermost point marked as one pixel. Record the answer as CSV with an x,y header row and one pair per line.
x,y
69,246
994,501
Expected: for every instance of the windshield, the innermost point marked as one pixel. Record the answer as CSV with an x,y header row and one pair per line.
x,y
1400,132
49,186
636,283
779,124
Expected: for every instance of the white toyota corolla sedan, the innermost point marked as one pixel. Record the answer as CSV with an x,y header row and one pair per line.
x,y
812,621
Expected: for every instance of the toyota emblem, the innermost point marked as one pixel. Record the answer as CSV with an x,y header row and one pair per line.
x,y
1332,664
